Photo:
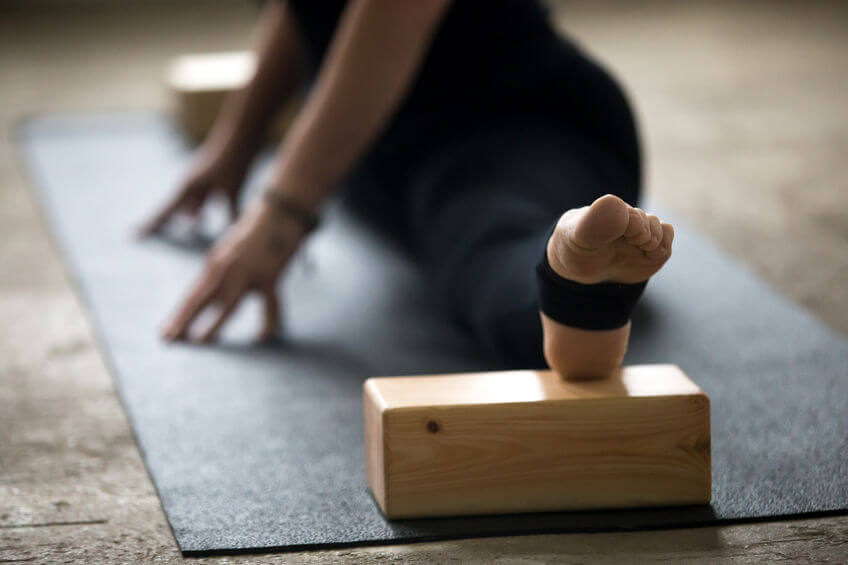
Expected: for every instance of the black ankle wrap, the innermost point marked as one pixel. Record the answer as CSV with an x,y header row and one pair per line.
x,y
602,306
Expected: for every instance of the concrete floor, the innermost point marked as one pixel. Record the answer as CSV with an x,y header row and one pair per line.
x,y
743,110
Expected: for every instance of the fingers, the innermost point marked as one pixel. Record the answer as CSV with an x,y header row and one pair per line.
x,y
186,202
197,301
226,310
209,292
204,293
228,306
272,314
189,199
162,218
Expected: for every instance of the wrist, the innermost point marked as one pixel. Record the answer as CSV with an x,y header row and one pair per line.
x,y
266,230
291,209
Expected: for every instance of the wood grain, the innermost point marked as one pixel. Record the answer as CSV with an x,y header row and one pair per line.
x,y
523,441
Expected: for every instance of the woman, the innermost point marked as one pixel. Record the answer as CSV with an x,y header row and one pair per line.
x,y
502,156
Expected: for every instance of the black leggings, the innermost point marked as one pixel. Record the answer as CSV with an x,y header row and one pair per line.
x,y
476,216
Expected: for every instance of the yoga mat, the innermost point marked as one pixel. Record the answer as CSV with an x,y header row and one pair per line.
x,y
254,448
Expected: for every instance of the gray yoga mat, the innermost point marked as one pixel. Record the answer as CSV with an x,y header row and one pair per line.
x,y
255,448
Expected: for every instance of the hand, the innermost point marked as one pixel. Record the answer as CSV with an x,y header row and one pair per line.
x,y
249,257
214,170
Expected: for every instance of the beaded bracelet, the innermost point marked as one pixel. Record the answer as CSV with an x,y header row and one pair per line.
x,y
309,219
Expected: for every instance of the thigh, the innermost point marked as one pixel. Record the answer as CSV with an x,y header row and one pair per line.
x,y
480,213
505,183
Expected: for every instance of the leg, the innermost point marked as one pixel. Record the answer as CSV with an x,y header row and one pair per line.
x,y
480,219
607,242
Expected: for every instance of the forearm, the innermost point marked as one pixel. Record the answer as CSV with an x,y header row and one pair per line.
x,y
367,71
280,68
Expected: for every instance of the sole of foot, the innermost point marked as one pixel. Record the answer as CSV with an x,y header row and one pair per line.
x,y
609,241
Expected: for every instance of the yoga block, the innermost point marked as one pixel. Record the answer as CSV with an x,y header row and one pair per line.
x,y
200,83
528,441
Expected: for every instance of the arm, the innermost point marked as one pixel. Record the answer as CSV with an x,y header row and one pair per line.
x,y
280,69
222,162
368,69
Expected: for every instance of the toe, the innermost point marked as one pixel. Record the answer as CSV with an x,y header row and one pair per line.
x,y
602,223
656,230
663,250
635,224
638,230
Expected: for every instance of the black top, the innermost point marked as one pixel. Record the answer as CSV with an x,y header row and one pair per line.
x,y
489,61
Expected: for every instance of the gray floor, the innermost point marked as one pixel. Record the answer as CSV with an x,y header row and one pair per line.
x,y
744,117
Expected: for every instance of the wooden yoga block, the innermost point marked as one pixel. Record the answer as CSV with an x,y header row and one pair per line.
x,y
201,82
526,441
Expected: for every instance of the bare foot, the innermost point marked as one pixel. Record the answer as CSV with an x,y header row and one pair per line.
x,y
609,241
